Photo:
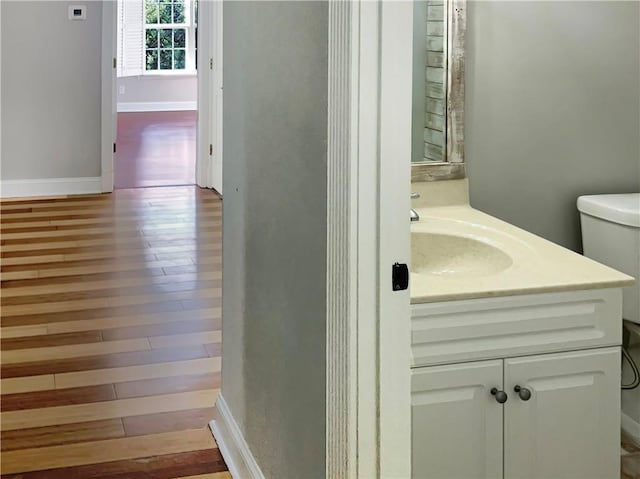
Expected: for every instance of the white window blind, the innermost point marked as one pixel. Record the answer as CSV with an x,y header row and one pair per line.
x,y
131,44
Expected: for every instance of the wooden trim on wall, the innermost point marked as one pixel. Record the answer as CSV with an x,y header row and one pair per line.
x,y
456,26
437,172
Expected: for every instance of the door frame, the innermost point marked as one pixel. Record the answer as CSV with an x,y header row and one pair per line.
x,y
395,115
109,127
206,100
217,97
209,146
210,90
368,201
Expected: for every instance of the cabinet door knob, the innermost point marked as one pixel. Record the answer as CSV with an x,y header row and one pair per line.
x,y
501,396
524,393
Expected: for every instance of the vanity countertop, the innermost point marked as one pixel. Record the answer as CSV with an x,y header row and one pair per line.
x,y
535,266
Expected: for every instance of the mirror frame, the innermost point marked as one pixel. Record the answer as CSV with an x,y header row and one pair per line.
x,y
454,167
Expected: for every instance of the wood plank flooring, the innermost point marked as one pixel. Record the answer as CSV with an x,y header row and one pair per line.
x,y
110,335
156,148
630,460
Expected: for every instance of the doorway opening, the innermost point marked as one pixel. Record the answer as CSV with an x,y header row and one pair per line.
x,y
157,93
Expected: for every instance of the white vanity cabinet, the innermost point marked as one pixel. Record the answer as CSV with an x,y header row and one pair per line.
x,y
565,420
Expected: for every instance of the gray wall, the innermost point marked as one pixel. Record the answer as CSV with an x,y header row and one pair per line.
x,y
552,109
51,90
275,167
157,89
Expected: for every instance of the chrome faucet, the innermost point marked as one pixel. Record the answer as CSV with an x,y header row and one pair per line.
x,y
413,213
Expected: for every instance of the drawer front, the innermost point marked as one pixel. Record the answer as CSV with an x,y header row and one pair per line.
x,y
457,331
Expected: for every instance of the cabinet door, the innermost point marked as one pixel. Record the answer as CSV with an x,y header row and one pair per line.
x,y
456,422
570,426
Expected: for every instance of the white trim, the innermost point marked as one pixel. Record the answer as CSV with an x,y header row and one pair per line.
x,y
631,427
342,230
365,133
163,74
368,324
108,101
0,91
231,443
216,162
50,187
135,106
394,359
205,92
109,82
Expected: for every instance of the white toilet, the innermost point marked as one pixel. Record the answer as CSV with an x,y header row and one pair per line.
x,y
611,235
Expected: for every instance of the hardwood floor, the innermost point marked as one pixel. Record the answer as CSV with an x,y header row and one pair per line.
x,y
156,148
630,461
110,335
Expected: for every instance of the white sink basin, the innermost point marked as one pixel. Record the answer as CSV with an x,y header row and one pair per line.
x,y
458,252
452,255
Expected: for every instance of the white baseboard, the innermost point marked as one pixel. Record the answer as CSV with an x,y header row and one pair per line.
x,y
631,427
125,107
231,443
50,187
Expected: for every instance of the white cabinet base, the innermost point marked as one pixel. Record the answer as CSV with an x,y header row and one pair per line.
x,y
570,427
457,424
567,427
561,349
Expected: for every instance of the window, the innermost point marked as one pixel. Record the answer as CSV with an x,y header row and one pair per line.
x,y
170,35
157,37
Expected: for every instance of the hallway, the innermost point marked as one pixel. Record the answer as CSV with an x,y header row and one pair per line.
x,y
156,148
111,335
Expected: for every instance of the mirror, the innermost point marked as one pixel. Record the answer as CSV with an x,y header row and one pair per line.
x,y
438,90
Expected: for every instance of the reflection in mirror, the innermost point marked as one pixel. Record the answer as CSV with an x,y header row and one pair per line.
x,y
438,90
430,48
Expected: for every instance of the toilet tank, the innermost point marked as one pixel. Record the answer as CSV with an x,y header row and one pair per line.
x,y
611,235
